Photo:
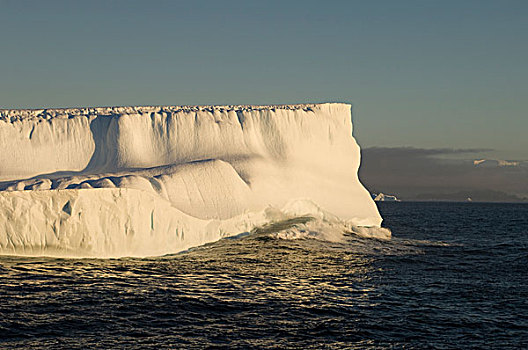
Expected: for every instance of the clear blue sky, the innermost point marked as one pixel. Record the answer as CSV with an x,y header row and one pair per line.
x,y
420,73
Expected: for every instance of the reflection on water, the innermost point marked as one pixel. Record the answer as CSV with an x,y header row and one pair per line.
x,y
448,277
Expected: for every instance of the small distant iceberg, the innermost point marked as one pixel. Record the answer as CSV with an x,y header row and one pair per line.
x,y
382,197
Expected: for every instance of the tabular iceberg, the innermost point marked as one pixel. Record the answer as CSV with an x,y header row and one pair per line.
x,y
137,181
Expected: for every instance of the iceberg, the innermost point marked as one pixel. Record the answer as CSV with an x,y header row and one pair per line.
x,y
144,181
382,197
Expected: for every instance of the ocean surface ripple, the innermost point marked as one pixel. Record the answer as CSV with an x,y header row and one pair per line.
x,y
453,276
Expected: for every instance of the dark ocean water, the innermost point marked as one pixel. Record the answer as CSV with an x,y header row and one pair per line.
x,y
453,276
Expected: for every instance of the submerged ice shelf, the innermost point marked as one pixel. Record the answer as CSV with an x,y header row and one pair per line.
x,y
137,181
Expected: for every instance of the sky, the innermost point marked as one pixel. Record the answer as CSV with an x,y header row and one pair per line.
x,y
424,74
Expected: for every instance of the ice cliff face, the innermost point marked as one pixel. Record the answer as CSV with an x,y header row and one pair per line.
x,y
155,180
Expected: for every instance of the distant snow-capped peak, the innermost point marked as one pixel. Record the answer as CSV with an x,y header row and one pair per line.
x,y
496,162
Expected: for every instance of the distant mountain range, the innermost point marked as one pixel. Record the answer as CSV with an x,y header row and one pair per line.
x,y
471,196
413,174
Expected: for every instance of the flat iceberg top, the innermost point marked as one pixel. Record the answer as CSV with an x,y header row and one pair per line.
x,y
12,115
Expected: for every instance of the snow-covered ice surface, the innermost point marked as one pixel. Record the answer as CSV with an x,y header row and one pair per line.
x,y
140,181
